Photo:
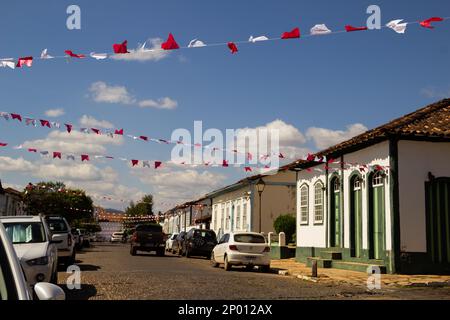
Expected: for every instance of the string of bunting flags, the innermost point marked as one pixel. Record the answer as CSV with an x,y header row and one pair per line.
x,y
397,25
111,133
158,164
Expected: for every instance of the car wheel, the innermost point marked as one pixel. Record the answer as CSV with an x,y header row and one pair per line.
x,y
213,261
160,252
226,265
265,268
133,251
54,278
249,267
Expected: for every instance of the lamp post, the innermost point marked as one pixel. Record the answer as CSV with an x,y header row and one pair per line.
x,y
260,186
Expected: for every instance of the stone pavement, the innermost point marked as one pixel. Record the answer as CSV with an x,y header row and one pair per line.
x,y
300,270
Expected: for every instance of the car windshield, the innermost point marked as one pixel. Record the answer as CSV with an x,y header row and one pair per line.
x,y
57,225
25,232
249,238
209,235
149,228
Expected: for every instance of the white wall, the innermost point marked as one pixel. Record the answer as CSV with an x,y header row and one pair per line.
x,y
416,159
377,154
219,221
311,235
315,235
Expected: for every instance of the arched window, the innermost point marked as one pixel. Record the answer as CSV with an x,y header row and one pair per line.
x,y
337,185
318,202
304,203
377,179
357,184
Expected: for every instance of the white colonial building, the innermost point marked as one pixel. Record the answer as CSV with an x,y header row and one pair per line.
x,y
253,203
381,198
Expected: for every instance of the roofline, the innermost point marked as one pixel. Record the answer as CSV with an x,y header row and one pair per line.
x,y
385,134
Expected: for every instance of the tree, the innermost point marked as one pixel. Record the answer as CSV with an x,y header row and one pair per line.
x,y
287,224
53,198
143,208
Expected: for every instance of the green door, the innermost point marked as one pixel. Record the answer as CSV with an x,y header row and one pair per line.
x,y
438,220
378,221
356,219
337,218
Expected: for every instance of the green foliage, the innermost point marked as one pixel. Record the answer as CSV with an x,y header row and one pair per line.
x,y
286,223
142,208
53,198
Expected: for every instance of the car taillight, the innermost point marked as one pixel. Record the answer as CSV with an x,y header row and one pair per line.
x,y
266,249
69,240
233,248
134,236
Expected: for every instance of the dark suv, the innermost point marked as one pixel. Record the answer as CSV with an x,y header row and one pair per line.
x,y
199,242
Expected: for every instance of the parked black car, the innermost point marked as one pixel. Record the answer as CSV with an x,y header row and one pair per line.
x,y
199,242
148,237
178,243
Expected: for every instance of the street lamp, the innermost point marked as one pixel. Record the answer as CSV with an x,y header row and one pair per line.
x,y
260,186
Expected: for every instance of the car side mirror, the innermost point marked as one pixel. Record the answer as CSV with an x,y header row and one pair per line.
x,y
49,291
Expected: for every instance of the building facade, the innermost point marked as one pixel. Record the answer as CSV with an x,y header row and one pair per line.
x,y
240,207
11,202
380,199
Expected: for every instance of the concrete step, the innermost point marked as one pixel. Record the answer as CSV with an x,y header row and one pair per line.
x,y
321,263
356,266
331,255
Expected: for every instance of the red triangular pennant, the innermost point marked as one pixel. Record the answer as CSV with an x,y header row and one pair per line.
x,y
170,44
427,23
232,46
295,33
350,28
120,48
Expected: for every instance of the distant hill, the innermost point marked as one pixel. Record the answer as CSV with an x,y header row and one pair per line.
x,y
110,210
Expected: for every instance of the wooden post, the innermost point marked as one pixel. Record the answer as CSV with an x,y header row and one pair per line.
x,y
314,269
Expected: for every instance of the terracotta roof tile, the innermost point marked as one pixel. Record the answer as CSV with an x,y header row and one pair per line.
x,y
432,121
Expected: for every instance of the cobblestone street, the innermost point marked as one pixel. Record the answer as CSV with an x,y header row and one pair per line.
x,y
109,272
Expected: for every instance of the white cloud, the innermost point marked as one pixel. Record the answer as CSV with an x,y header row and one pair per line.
x,y
324,138
75,142
172,185
89,121
104,93
163,103
145,55
291,140
54,113
95,181
12,165
101,92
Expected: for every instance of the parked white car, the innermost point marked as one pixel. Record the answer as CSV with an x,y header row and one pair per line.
x,y
247,249
61,232
34,247
117,237
169,242
12,281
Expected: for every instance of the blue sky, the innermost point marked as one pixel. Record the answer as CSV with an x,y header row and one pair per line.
x,y
365,78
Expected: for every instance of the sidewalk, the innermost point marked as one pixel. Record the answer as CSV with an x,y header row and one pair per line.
x,y
294,268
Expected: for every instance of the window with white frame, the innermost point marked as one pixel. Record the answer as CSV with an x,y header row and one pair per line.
x,y
222,216
337,185
227,217
244,216
318,202
304,203
215,213
377,179
238,216
357,184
